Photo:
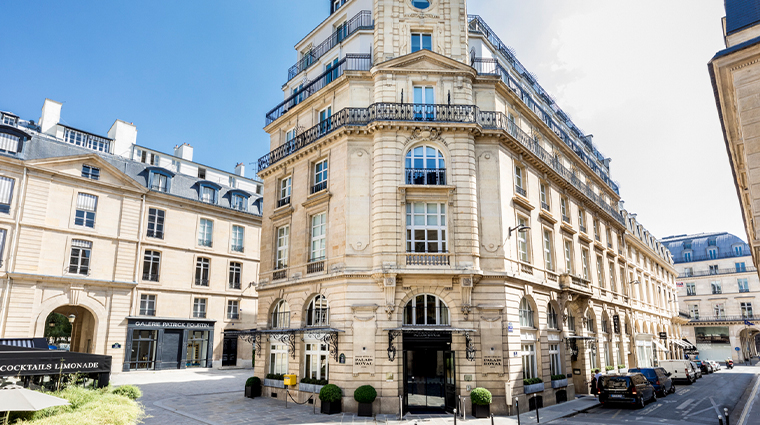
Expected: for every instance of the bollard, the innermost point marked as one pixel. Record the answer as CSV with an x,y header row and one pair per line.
x,y
400,407
286,398
517,407
491,418
314,405
463,406
538,420
720,420
725,414
455,416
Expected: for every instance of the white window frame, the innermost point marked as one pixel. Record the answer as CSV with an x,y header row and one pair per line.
x,y
200,306
422,221
529,361
156,223
235,275
320,174
237,239
285,188
278,358
584,262
81,263
318,245
527,319
548,249
569,251
523,240
318,312
233,310
282,244
442,313
86,210
316,355
206,232
421,40
147,301
555,362
202,271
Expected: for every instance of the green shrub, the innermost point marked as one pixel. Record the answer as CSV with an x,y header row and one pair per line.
x,y
481,396
609,367
330,393
253,382
532,381
88,406
621,366
557,377
275,376
365,394
129,391
322,382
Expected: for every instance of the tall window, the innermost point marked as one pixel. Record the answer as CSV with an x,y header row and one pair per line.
x,y
90,172
208,194
691,288
597,236
590,323
687,256
426,309
425,165
325,124
555,364
424,98
426,227
318,225
719,310
202,266
156,223
151,264
613,284
743,285
284,192
551,317
86,207
6,194
2,245
238,236
600,272
564,210
592,357
315,361
582,219
619,353
738,250
570,322
317,313
236,271
233,310
740,267
79,262
281,315
544,196
548,249
712,253
147,305
746,310
205,232
523,252
713,269
526,314
569,256
716,287
278,359
694,311
199,308
421,41
159,182
520,181
283,234
607,354
605,325
529,361
320,176
584,261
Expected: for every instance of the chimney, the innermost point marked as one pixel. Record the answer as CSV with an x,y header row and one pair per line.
x,y
124,135
51,115
184,151
240,170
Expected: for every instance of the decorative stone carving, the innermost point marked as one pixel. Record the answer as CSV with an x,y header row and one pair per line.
x,y
466,310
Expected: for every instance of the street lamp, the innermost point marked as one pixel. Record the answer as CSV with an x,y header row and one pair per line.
x,y
518,228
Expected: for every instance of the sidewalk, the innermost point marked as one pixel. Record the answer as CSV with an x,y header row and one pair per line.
x,y
557,411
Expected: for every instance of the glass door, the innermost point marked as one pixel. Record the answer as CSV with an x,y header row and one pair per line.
x,y
450,380
425,380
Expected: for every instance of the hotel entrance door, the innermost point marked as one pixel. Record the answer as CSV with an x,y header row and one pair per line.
x,y
429,373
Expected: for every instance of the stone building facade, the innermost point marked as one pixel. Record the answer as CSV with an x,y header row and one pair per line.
x,y
717,287
153,262
433,222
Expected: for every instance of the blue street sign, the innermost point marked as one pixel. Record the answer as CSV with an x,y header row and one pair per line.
x,y
748,323
737,349
510,327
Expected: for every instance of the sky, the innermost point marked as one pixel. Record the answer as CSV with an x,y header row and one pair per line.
x,y
634,74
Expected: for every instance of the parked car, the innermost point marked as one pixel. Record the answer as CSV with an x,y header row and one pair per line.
x,y
680,370
715,365
705,367
659,378
630,388
696,368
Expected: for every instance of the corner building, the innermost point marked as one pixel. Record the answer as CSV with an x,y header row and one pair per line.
x,y
433,222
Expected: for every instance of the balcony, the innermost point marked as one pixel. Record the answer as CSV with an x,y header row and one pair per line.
x,y
427,258
575,285
282,202
318,187
724,318
520,191
426,176
583,228
201,282
280,274
315,266
719,256
715,272
566,219
362,21
545,206
159,188
146,276
352,62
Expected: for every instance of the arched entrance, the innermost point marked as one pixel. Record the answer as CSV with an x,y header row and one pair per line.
x,y
83,327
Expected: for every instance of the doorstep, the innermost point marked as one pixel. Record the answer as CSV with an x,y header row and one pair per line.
x,y
556,411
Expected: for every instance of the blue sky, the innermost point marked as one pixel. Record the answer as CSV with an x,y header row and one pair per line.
x,y
632,73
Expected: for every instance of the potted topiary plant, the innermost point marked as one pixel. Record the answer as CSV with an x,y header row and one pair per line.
x,y
481,402
330,395
559,381
365,395
253,387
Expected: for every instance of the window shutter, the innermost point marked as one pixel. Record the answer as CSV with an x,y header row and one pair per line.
x,y
87,202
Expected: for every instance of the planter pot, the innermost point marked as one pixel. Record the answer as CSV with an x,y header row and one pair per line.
x,y
248,391
559,383
310,388
276,383
256,391
365,409
534,388
481,410
330,408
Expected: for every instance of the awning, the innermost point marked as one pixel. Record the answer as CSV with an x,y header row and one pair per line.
x,y
582,338
287,336
689,345
430,329
660,346
680,343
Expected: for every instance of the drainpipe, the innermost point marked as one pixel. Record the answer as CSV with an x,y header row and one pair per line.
x,y
133,300
12,260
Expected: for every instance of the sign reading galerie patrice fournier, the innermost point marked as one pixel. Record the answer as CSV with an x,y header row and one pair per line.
x,y
166,324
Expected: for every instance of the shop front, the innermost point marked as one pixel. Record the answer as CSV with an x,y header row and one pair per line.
x,y
644,351
157,343
713,342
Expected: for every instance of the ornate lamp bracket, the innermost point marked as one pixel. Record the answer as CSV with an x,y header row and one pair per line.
x,y
391,348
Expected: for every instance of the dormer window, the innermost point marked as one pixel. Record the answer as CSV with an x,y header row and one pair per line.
x,y
738,251
159,181
207,192
712,253
239,202
10,143
9,119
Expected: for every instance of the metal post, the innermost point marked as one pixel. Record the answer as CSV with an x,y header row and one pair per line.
x,y
725,414
538,420
720,420
491,418
286,398
463,406
400,407
314,405
455,416
517,407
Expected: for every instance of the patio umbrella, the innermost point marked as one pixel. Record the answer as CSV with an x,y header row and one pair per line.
x,y
17,399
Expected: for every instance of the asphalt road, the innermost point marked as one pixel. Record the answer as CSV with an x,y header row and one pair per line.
x,y
699,403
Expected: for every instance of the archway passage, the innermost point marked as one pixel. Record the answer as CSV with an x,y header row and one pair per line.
x,y
83,327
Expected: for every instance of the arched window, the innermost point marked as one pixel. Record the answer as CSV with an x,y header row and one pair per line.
x,y
426,309
421,4
425,165
570,321
526,314
317,314
589,322
551,317
281,315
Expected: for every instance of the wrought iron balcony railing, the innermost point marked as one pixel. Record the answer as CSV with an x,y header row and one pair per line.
x,y
428,258
150,277
520,191
318,316
362,21
545,206
721,255
281,320
319,187
315,266
201,282
724,318
426,176
727,270
566,219
352,62
284,201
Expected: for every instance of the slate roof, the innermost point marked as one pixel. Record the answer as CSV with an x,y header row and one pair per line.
x,y
724,241
741,14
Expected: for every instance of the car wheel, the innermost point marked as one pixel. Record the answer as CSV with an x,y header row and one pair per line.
x,y
663,393
640,404
672,389
654,396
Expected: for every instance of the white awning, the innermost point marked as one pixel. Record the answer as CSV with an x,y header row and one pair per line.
x,y
659,345
680,343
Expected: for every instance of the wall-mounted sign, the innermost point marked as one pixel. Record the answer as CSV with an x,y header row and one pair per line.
x,y
468,378
492,362
510,327
679,284
576,371
663,335
616,323
364,362
737,349
342,359
115,345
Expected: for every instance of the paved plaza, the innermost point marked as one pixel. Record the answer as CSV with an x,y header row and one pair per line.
x,y
204,396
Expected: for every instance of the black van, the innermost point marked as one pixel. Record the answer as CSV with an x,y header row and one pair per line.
x,y
629,388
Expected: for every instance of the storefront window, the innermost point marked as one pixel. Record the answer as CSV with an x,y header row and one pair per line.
x,y
278,359
316,361
197,348
143,355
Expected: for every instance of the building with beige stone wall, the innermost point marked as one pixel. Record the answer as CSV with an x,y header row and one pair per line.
x,y
434,222
154,262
